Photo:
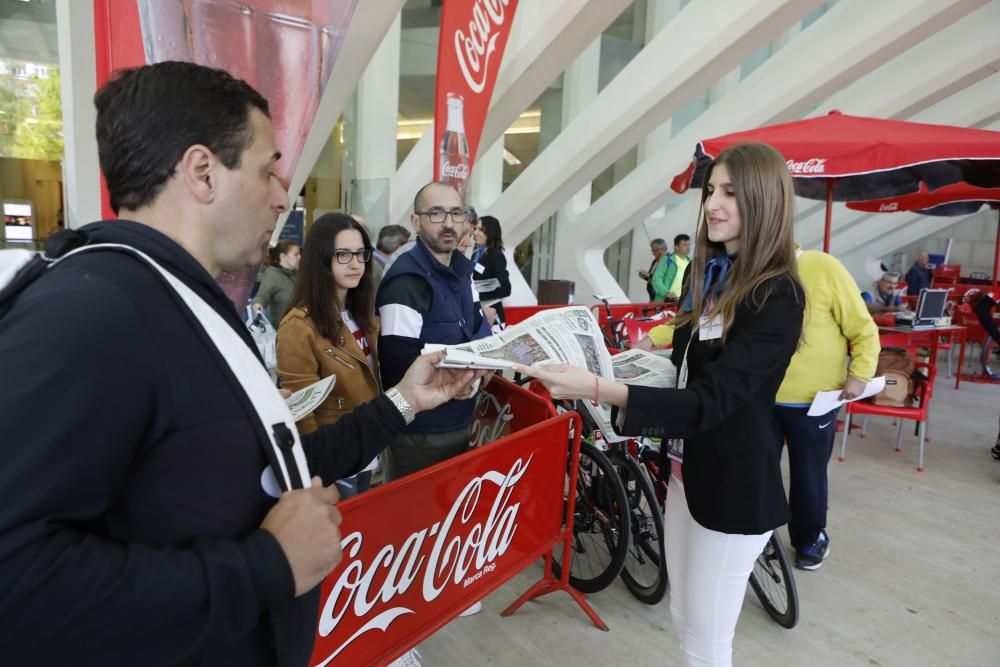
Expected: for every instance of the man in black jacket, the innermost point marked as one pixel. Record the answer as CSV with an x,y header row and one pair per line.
x,y
142,523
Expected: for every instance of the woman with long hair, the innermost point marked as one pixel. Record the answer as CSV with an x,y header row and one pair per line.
x,y
490,262
277,280
331,328
738,327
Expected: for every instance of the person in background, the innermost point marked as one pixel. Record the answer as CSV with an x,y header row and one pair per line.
x,y
278,280
658,247
835,318
390,238
489,261
331,328
669,275
884,300
467,244
920,275
739,326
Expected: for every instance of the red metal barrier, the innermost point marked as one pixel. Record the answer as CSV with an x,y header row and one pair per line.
x,y
422,549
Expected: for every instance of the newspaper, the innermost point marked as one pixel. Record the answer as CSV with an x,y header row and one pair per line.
x,y
304,401
568,335
632,367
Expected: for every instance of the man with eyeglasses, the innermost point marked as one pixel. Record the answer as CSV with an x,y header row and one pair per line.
x,y
885,299
427,296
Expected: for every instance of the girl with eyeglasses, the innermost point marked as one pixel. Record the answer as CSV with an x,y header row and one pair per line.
x,y
331,328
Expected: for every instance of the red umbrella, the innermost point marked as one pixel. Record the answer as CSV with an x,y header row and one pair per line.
x,y
951,200
852,158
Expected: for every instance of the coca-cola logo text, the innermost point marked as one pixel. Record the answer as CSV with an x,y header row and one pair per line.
x,y
888,208
459,171
483,433
814,165
459,546
475,49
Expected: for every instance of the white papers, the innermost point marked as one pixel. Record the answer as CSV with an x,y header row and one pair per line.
x,y
304,401
827,401
488,285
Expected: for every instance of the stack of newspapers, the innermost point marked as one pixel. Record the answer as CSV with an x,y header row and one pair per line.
x,y
568,335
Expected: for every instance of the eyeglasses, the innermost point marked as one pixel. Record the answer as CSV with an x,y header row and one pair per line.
x,y
437,215
345,256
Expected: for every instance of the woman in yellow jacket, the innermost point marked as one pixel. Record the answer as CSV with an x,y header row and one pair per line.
x,y
331,328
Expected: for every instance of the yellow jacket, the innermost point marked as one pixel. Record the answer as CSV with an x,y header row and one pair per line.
x,y
835,316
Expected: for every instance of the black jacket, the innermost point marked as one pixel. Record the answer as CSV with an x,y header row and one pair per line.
x,y
732,477
132,476
494,265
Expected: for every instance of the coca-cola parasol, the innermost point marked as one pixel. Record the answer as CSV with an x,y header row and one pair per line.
x,y
838,157
951,200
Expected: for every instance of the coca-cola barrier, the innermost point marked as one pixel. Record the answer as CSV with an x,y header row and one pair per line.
x,y
422,549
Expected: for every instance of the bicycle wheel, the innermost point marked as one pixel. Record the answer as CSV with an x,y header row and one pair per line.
x,y
645,569
600,524
774,584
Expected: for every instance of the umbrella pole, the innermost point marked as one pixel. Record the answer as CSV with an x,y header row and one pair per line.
x,y
829,217
996,252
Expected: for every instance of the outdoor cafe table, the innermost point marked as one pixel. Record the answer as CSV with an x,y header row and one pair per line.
x,y
919,337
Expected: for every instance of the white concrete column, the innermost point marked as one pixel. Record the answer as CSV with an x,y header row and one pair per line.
x,y
78,67
486,182
370,133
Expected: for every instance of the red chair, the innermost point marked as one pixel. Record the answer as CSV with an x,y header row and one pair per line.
x,y
923,388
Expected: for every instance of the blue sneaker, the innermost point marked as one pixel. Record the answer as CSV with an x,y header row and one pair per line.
x,y
811,557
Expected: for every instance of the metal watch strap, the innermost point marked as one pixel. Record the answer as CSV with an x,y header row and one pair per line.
x,y
405,409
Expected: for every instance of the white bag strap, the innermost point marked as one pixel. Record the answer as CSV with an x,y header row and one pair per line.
x,y
271,409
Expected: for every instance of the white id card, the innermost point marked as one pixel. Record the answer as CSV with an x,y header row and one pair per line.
x,y
710,329
479,268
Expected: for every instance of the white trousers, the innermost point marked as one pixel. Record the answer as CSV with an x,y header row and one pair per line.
x,y
708,573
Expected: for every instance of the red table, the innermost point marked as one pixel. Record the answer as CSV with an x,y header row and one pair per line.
x,y
931,337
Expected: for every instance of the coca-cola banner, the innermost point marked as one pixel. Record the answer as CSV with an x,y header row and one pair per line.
x,y
473,36
421,550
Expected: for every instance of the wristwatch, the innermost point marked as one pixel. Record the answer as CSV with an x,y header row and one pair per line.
x,y
404,407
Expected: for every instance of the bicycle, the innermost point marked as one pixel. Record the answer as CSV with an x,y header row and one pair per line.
x,y
645,569
601,524
615,530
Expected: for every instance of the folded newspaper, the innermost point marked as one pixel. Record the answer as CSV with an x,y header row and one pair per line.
x,y
568,335
304,401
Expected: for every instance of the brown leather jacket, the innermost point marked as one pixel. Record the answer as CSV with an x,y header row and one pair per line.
x,y
305,357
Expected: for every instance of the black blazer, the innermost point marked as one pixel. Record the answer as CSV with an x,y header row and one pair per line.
x,y
732,477
494,265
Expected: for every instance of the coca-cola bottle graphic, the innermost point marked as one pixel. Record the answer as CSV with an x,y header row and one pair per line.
x,y
454,153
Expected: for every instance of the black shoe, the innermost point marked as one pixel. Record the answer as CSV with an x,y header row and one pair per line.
x,y
996,451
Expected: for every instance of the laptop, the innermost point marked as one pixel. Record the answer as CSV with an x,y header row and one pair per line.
x,y
930,308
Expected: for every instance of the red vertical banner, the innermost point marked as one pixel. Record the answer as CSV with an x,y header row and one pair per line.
x,y
473,37
117,44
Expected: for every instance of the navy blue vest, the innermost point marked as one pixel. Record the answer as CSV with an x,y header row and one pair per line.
x,y
454,317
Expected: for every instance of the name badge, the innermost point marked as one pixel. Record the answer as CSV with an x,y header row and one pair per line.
x,y
710,329
480,268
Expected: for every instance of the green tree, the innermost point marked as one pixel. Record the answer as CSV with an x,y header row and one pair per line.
x,y
39,133
12,111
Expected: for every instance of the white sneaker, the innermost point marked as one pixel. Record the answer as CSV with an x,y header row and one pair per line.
x,y
474,609
409,659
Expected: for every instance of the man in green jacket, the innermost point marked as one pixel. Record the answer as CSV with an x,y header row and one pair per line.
x,y
669,274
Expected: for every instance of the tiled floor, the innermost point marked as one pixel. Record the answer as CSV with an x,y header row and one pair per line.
x,y
913,577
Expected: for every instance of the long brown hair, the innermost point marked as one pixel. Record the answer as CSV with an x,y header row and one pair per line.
x,y
765,197
315,290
